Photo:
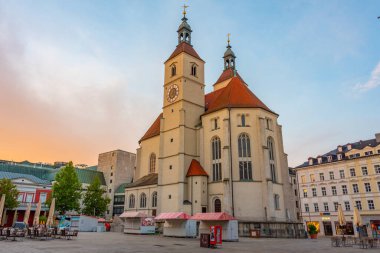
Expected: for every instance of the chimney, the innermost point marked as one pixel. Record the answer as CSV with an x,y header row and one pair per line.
x,y
377,137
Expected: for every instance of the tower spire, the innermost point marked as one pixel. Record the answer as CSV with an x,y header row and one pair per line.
x,y
229,56
184,29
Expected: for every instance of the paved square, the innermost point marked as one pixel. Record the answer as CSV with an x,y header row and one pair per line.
x,y
118,243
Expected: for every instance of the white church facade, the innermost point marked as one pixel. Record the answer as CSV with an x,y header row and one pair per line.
x,y
215,152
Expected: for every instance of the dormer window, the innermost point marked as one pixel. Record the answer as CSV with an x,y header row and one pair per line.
x,y
340,149
319,159
194,70
329,158
310,161
173,70
339,156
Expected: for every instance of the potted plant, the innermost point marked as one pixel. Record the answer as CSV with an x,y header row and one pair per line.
x,y
312,229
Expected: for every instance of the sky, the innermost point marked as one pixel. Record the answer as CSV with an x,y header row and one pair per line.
x,y
79,78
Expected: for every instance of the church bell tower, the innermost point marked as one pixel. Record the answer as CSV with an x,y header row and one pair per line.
x,y
183,104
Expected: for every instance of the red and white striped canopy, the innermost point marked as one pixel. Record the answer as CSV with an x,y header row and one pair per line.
x,y
173,216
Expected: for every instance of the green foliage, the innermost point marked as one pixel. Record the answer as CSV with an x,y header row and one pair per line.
x,y
43,219
67,189
312,229
10,191
94,202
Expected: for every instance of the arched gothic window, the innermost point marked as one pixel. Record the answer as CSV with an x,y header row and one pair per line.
x,y
271,157
217,206
143,200
152,163
245,162
174,70
154,199
216,159
194,70
131,201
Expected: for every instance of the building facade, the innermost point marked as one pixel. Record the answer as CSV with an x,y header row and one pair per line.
x,y
117,167
215,152
349,176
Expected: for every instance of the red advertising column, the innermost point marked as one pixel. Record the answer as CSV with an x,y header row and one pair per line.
x,y
218,234
212,236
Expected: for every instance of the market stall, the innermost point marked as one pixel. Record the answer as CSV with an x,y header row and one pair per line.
x,y
229,224
178,224
138,223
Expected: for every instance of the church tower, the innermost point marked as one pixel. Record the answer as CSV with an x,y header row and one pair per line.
x,y
183,104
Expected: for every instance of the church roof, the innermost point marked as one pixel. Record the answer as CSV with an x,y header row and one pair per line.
x,y
149,179
153,130
235,95
195,169
184,47
227,74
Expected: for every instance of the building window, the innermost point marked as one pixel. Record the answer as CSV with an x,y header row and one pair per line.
x,y
215,123
118,200
322,176
331,173
347,205
358,204
110,190
333,190
216,159
303,179
341,173
243,120
20,197
245,163
296,204
304,193
368,153
173,70
324,191
371,205
316,207
111,174
194,70
344,189
378,186
131,201
170,196
154,199
312,178
377,169
355,187
367,187
217,206
314,191
272,159
336,204
269,123
364,171
307,208
276,201
110,181
295,192
152,163
352,172
326,206
142,200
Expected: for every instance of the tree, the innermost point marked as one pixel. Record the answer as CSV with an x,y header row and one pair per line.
x,y
10,191
67,189
94,202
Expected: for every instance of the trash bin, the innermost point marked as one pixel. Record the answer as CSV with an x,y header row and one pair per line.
x,y
255,233
205,240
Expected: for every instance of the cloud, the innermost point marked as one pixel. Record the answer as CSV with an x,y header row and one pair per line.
x,y
372,83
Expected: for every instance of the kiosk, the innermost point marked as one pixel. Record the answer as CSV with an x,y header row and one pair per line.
x,y
228,223
177,224
138,223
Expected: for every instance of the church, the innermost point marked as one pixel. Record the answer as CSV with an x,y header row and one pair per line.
x,y
215,152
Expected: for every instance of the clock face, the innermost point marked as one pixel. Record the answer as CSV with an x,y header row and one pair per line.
x,y
173,93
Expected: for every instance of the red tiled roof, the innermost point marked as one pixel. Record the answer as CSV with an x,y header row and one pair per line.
x,y
227,74
195,169
153,130
235,95
184,47
173,216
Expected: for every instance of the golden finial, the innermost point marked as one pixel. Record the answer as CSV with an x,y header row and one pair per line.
x,y
184,9
228,38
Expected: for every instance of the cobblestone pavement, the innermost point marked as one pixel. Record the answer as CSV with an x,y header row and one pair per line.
x,y
121,243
